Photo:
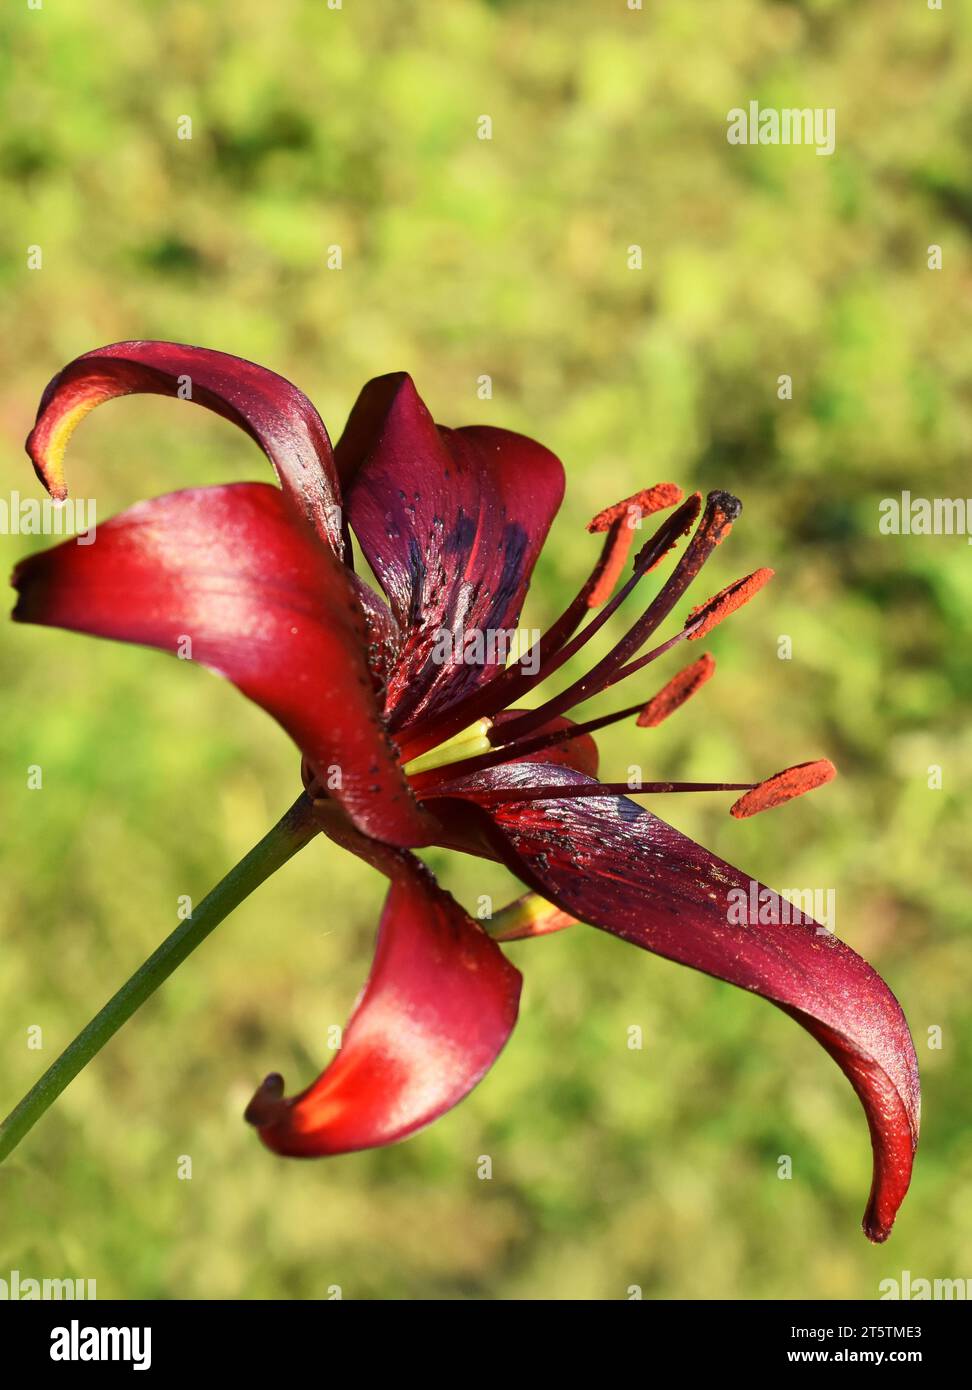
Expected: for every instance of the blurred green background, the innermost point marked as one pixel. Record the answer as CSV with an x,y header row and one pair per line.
x,y
357,127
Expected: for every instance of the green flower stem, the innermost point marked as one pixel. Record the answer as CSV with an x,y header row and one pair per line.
x,y
290,834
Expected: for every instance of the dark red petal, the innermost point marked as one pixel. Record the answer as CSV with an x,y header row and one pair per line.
x,y
384,634
272,411
579,753
451,522
438,1007
233,570
613,864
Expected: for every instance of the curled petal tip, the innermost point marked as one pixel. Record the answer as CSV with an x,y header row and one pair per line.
x,y
268,1104
265,406
646,883
437,1010
48,473
49,439
878,1228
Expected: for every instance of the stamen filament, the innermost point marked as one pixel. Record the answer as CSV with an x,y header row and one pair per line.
x,y
507,752
650,714
490,795
554,647
720,512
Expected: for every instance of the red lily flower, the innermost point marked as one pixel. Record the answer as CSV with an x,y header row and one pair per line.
x,y
409,741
